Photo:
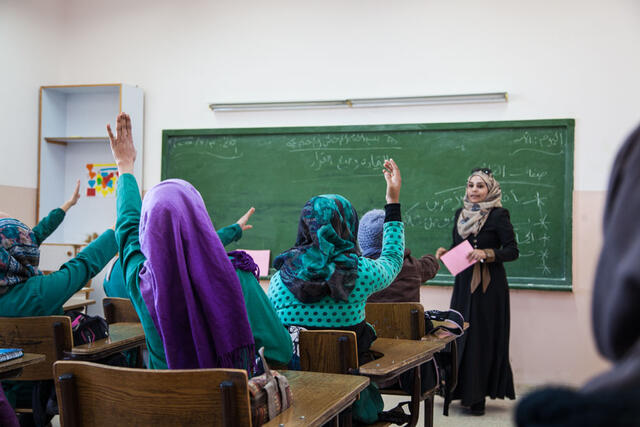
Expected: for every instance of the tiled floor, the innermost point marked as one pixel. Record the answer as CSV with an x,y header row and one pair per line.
x,y
498,413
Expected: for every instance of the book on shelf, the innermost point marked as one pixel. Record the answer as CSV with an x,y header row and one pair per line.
x,y
10,353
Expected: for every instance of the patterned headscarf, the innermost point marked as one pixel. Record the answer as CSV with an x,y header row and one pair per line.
x,y
189,284
19,253
324,260
474,215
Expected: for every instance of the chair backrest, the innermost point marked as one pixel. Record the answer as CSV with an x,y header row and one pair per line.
x,y
403,320
329,351
90,394
119,310
48,335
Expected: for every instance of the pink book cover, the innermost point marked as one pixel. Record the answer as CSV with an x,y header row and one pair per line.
x,y
456,258
260,257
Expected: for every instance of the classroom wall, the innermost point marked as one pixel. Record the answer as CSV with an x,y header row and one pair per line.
x,y
570,59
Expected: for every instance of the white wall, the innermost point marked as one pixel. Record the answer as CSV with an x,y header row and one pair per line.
x,y
557,59
30,41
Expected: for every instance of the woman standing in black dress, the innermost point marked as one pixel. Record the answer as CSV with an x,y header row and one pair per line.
x,y
481,293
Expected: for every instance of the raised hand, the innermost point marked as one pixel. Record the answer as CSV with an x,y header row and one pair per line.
x,y
73,199
394,181
242,222
122,146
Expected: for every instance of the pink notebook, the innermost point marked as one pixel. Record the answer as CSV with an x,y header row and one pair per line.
x,y
456,259
260,257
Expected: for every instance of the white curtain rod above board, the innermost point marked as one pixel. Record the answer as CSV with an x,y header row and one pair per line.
x,y
364,102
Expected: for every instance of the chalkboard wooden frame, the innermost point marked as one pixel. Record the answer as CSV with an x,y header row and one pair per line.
x,y
563,283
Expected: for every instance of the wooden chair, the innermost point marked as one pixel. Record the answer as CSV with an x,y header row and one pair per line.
x,y
329,351
90,394
119,310
48,335
402,320
399,320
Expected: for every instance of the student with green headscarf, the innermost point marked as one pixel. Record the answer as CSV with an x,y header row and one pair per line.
x,y
323,282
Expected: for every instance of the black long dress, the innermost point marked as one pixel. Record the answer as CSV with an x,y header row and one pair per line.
x,y
483,355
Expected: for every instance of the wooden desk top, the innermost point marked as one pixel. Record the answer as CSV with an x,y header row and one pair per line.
x,y
122,336
13,368
75,303
398,356
318,397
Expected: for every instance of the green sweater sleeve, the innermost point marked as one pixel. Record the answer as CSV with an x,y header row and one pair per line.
x,y
44,295
230,234
268,330
48,225
129,205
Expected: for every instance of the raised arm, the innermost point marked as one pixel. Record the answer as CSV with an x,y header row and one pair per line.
x,y
129,205
48,224
388,265
233,232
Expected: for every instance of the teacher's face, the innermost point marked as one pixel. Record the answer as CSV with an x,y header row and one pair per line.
x,y
476,190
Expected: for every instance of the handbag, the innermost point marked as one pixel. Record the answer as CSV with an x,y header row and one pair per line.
x,y
269,394
87,329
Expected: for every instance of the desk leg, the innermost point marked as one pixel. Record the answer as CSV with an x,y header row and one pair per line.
x,y
414,407
428,411
139,362
451,386
345,418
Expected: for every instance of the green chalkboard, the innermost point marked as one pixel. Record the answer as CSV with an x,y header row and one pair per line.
x,y
278,169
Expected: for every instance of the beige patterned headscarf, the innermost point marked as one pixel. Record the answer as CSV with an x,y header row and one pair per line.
x,y
474,215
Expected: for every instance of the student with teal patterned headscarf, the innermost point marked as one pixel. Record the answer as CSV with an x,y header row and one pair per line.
x,y
323,282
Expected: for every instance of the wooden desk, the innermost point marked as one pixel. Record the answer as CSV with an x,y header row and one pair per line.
x,y
122,336
13,368
318,397
75,303
398,356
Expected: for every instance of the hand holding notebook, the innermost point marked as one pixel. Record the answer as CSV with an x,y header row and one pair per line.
x,y
456,258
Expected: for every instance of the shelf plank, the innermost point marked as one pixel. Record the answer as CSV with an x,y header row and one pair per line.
x,y
64,140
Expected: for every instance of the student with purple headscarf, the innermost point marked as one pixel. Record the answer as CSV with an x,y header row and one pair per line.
x,y
187,291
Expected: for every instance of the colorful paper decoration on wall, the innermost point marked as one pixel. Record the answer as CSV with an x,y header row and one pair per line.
x,y
101,179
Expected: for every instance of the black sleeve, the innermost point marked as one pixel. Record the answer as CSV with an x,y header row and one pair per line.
x,y
453,229
392,212
509,248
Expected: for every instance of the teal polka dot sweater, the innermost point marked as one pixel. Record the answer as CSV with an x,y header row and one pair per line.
x,y
373,276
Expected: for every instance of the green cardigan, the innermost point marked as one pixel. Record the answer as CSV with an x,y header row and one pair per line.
x,y
48,225
267,329
44,295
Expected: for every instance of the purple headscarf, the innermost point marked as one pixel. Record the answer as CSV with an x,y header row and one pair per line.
x,y
188,283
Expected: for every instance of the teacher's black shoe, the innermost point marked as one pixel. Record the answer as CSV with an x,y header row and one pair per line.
x,y
477,408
